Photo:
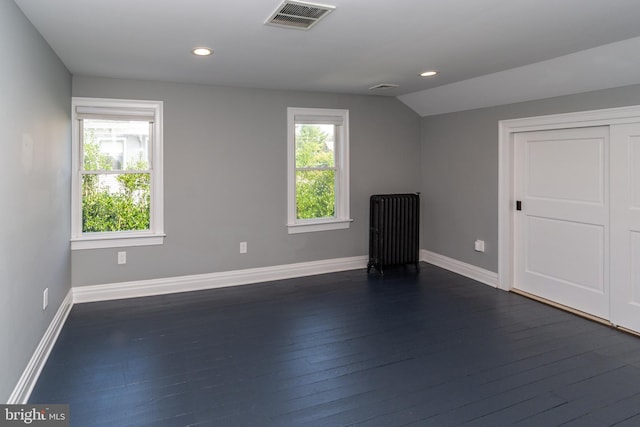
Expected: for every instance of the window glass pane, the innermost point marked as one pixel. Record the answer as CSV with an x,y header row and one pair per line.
x,y
115,202
315,194
315,145
115,145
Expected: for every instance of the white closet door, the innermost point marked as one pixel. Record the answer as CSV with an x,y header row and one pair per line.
x,y
562,232
625,226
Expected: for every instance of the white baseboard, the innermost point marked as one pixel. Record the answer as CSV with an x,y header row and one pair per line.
x,y
198,282
29,377
471,271
113,291
169,285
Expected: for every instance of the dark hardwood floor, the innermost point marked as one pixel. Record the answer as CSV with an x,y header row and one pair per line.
x,y
428,349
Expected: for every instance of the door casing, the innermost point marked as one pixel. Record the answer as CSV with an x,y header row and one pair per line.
x,y
506,189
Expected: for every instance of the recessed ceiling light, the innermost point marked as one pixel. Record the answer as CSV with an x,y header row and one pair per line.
x,y
429,73
201,51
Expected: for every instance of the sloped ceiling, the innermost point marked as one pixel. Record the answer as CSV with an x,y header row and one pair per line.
x,y
612,65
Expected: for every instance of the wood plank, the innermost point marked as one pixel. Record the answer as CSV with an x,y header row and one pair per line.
x,y
344,348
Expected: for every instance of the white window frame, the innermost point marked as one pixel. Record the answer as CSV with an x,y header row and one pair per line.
x,y
342,219
118,107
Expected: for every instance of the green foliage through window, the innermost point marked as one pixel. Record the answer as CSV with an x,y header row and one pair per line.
x,y
113,201
127,208
315,171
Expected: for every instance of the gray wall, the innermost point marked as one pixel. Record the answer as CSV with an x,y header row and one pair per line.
x,y
460,171
35,137
225,178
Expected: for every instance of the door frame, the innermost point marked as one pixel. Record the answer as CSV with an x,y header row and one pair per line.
x,y
506,170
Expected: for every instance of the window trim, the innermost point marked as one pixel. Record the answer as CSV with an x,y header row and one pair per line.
x,y
155,235
342,218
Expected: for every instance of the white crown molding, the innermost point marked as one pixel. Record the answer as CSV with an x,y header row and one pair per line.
x,y
142,288
471,271
29,377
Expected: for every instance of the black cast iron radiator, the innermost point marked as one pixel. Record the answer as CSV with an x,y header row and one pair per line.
x,y
394,230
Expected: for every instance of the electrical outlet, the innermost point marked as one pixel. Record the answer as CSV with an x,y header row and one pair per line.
x,y
243,247
45,298
479,245
122,257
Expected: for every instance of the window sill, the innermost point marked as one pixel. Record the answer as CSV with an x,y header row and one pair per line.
x,y
320,225
116,240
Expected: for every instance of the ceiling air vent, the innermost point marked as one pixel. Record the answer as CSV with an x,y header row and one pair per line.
x,y
383,86
298,14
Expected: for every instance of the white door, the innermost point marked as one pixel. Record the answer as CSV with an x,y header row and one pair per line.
x,y
562,230
625,226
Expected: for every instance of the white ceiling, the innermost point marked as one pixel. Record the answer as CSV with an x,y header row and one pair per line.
x,y
361,44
